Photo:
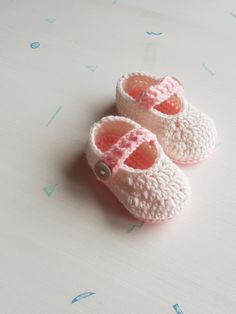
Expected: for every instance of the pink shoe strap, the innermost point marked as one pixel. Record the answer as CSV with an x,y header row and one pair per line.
x,y
115,157
155,95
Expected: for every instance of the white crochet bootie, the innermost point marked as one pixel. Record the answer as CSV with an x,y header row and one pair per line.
x,y
128,159
186,134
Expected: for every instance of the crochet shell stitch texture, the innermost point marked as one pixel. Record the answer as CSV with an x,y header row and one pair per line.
x,y
148,183
186,134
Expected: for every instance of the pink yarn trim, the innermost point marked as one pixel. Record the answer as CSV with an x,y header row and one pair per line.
x,y
125,146
156,94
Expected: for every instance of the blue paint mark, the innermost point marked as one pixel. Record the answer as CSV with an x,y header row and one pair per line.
x,y
114,1
49,190
233,15
208,70
50,20
54,115
92,68
82,296
153,33
141,224
132,227
35,45
177,309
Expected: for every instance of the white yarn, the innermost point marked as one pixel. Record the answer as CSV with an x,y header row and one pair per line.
x,y
157,193
186,137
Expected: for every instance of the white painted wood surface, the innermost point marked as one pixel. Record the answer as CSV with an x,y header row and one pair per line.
x,y
75,237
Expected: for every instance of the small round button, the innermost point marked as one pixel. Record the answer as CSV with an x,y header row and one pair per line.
x,y
102,170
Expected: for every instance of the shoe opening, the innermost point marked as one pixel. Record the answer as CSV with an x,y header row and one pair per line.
x,y
136,84
110,132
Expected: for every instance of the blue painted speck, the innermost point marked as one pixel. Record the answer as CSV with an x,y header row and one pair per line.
x,y
92,67
177,309
50,20
82,296
153,33
35,45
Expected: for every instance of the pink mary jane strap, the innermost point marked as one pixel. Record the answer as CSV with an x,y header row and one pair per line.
x,y
156,94
115,157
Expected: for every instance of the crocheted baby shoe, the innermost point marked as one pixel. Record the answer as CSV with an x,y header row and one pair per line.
x,y
128,159
186,134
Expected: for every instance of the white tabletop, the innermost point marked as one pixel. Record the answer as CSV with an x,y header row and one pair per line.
x,y
63,234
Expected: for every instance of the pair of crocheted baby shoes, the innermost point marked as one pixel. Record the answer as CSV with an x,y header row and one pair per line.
x,y
134,154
